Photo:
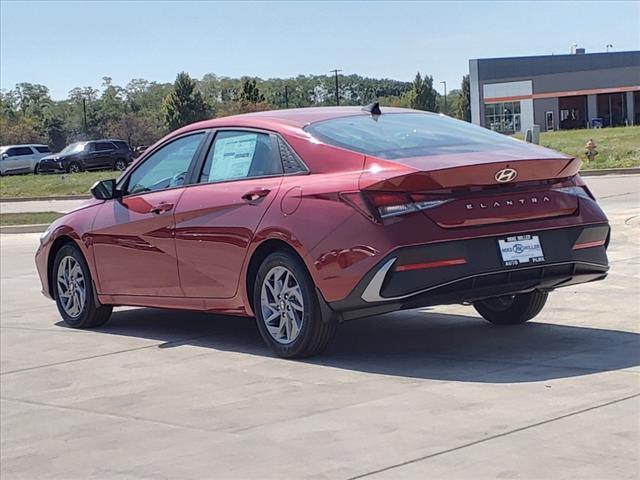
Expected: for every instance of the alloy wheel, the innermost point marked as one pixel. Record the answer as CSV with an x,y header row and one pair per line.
x,y
120,165
74,168
282,305
72,288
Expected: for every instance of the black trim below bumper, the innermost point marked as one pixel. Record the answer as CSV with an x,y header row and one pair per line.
x,y
483,276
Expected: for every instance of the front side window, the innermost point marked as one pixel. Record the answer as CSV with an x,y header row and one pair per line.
x,y
236,155
166,167
43,149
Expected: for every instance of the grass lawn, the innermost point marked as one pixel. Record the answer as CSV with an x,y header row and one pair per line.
x,y
28,218
617,147
54,184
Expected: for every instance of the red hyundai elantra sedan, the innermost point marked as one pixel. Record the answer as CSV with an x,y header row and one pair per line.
x,y
307,218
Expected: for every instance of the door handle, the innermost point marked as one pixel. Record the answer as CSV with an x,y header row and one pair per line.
x,y
161,208
257,194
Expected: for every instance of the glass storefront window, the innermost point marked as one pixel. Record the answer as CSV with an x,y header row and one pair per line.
x,y
503,117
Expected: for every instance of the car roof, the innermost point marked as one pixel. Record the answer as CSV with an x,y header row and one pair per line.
x,y
296,117
25,145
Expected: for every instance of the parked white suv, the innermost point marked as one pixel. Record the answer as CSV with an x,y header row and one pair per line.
x,y
21,158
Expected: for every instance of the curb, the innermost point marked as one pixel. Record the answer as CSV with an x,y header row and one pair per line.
x,y
45,199
37,228
610,171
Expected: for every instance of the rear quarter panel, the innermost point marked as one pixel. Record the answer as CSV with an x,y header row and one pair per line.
x,y
308,207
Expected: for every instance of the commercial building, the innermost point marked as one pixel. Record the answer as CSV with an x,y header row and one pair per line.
x,y
579,90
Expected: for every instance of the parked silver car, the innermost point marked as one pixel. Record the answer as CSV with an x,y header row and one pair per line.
x,y
21,158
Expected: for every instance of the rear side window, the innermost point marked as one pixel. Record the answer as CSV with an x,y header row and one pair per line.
x,y
291,163
103,146
17,151
401,135
122,145
235,155
43,149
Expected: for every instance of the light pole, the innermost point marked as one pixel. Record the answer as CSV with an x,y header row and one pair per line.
x,y
84,112
337,90
608,47
445,95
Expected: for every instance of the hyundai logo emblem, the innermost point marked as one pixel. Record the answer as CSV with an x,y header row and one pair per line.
x,y
506,175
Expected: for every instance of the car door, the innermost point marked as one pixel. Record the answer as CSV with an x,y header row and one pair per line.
x,y
17,160
100,155
216,219
132,236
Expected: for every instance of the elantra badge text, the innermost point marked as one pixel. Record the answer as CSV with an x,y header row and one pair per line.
x,y
509,203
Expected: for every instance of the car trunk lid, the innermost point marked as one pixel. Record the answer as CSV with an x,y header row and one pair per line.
x,y
479,188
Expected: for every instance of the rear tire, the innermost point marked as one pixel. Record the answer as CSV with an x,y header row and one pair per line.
x,y
120,165
511,310
73,290
287,309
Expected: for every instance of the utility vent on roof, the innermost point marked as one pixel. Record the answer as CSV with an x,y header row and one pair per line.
x,y
291,163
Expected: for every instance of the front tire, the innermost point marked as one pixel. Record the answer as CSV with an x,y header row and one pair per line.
x,y
73,290
74,167
511,309
287,309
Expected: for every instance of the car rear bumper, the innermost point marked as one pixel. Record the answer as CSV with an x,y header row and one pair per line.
x,y
467,270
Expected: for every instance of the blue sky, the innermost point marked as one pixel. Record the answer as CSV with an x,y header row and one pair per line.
x,y
68,44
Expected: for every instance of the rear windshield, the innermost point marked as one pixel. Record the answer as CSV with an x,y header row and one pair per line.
x,y
401,135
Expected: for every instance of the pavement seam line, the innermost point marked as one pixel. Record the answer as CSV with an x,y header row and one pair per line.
x,y
615,195
109,414
493,437
27,369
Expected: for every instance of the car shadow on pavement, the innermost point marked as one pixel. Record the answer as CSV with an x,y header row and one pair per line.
x,y
414,344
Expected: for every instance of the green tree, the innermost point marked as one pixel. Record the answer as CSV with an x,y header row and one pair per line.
x,y
424,96
33,99
135,129
250,93
55,131
464,103
184,104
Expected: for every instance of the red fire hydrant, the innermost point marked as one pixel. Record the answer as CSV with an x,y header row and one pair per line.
x,y
591,151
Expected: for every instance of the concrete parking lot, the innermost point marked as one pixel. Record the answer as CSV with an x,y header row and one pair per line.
x,y
433,393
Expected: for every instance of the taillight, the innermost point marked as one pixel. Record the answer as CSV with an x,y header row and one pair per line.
x,y
577,191
391,204
380,205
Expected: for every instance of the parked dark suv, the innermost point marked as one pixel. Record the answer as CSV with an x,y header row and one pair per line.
x,y
91,155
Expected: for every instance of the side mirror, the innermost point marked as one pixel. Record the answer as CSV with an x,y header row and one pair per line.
x,y
4,155
105,190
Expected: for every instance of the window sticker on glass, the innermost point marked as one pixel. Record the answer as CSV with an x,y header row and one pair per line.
x,y
232,156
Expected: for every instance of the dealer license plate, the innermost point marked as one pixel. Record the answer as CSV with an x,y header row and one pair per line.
x,y
521,249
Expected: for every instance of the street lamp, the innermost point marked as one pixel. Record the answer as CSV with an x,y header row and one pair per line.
x,y
608,47
445,95
337,91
